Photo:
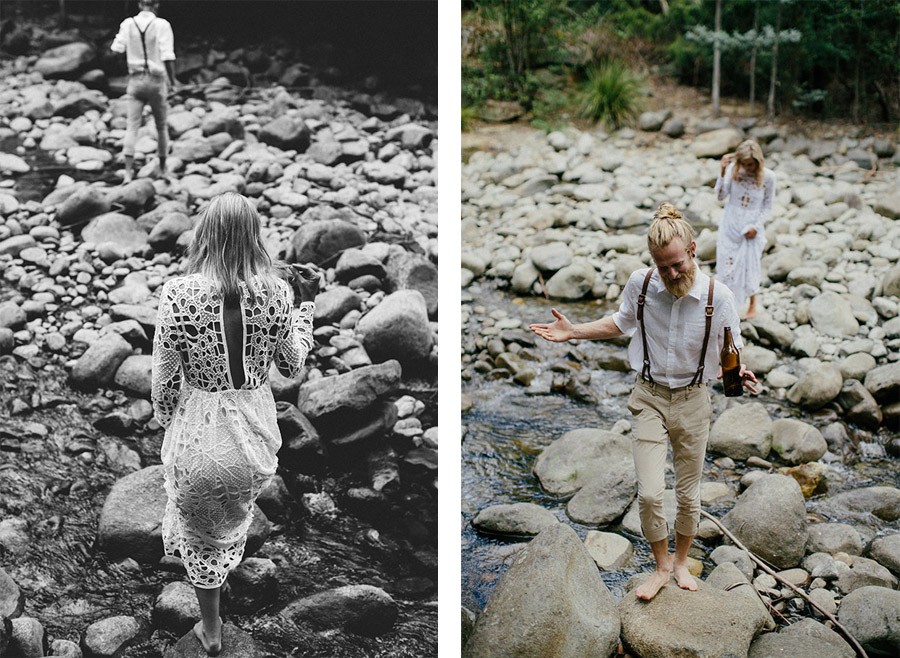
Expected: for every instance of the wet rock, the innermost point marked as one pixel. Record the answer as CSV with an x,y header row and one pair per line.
x,y
884,550
884,383
797,442
742,431
859,406
352,391
605,498
286,133
302,448
235,644
406,271
397,328
132,197
108,637
865,572
27,639
65,649
12,316
811,629
64,61
810,477
352,264
515,520
819,384
100,362
610,551
12,599
253,584
796,646
275,500
551,591
176,608
13,164
131,518
360,609
317,242
83,205
663,628
135,375
579,457
870,615
864,503
834,538
770,519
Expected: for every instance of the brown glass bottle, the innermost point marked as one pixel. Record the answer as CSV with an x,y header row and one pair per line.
x,y
731,367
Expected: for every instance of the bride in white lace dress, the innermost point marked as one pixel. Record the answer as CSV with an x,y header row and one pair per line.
x,y
750,189
218,331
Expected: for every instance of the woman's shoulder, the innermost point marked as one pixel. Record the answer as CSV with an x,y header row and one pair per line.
x,y
186,284
768,174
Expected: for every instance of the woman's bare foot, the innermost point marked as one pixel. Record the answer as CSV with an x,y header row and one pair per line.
x,y
751,309
650,587
212,643
684,578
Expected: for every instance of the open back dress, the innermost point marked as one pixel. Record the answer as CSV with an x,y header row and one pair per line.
x,y
222,438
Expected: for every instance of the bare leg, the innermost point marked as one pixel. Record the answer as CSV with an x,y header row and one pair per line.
x,y
682,576
209,629
650,587
751,310
129,169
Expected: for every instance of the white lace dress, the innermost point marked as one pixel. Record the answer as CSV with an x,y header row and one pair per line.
x,y
220,444
749,206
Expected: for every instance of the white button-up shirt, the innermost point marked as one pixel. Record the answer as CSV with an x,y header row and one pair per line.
x,y
675,327
158,37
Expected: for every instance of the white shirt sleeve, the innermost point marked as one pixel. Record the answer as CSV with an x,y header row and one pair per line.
x,y
166,41
723,183
626,317
119,44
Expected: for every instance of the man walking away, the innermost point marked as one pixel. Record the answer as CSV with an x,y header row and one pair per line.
x,y
148,44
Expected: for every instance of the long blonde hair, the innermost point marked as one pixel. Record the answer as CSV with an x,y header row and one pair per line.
x,y
228,247
667,225
749,150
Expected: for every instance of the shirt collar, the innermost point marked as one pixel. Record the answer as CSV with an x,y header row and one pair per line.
x,y
146,13
701,283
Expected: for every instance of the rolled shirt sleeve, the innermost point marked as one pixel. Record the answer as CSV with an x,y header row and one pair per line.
x,y
120,43
626,317
166,41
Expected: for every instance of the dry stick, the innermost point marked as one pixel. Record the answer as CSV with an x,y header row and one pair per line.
x,y
856,645
543,286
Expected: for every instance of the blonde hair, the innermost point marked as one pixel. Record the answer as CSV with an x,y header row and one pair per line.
x,y
749,150
667,225
228,247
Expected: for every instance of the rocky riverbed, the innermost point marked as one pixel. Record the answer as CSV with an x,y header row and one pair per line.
x,y
342,557
804,475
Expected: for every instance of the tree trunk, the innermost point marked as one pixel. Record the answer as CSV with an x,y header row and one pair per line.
x,y
856,99
773,76
665,6
717,56
62,14
753,57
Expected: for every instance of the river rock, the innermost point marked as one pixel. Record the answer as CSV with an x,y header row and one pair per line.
x,y
397,328
16,244
13,164
866,504
117,229
632,519
610,551
551,257
865,572
858,404
318,241
27,639
771,332
132,197
360,609
758,359
235,644
716,143
578,458
573,281
794,645
890,285
176,608
605,498
286,133
180,122
830,314
84,204
819,384
653,121
12,599
352,391
515,520
834,538
870,615
797,442
886,551
164,235
770,519
742,431
65,649
551,602
100,362
12,316
135,375
682,623
334,304
131,518
108,637
252,584
355,263
888,204
884,383
64,61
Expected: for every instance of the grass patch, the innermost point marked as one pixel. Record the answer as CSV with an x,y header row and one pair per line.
x,y
612,93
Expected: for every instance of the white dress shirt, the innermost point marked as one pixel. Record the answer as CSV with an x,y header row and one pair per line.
x,y
158,37
675,327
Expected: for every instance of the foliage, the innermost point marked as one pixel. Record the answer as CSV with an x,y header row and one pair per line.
x,y
468,115
612,94
550,109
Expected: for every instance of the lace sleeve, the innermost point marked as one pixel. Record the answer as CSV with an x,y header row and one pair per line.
x,y
765,210
723,183
295,341
166,361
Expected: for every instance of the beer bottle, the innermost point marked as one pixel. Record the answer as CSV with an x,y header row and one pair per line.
x,y
731,367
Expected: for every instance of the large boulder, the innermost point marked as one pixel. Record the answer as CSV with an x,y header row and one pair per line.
x,y
351,391
64,61
677,622
770,519
83,205
819,384
235,644
515,520
397,328
133,197
871,615
742,431
360,609
100,362
866,505
12,599
797,442
131,518
580,457
884,383
286,133
551,602
319,241
408,271
831,314
604,499
716,143
115,228
109,637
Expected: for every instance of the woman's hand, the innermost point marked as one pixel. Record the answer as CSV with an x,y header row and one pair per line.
x,y
750,234
557,332
726,160
305,282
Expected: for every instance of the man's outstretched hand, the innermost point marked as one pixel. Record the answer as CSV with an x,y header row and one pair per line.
x,y
559,331
748,379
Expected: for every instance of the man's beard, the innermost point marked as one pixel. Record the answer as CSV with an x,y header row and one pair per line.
x,y
683,285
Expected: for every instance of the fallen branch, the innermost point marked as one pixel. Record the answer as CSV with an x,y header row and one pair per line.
x,y
759,561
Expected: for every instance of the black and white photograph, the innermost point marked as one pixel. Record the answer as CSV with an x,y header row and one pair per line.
x,y
218,328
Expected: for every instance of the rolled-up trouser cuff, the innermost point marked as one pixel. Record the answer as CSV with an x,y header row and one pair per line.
x,y
687,526
655,532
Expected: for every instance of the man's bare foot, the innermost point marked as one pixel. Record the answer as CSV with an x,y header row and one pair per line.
x,y
650,587
212,644
684,578
127,177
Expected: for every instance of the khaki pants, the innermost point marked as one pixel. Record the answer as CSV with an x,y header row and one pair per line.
x,y
682,416
149,90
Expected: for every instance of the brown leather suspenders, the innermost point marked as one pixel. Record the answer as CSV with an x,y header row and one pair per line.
x,y
143,41
645,370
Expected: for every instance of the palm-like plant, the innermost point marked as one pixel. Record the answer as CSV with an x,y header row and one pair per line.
x,y
611,94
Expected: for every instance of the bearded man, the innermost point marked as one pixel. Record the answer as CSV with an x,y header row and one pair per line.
x,y
676,316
